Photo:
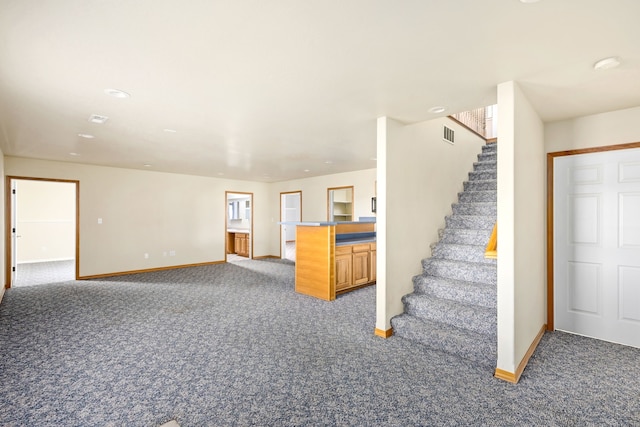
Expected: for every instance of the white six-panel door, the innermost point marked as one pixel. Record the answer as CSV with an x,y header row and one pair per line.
x,y
597,245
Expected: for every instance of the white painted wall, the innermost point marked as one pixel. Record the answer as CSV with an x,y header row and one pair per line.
x,y
419,177
150,212
598,130
521,230
45,221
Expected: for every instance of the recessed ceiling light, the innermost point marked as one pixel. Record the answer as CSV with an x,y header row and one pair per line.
x,y
74,154
607,63
97,118
438,109
86,135
529,1
116,93
170,130
307,170
328,162
147,165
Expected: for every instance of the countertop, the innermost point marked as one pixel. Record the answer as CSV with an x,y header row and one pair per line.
x,y
238,230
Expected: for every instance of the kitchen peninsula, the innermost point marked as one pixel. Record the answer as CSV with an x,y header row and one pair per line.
x,y
334,257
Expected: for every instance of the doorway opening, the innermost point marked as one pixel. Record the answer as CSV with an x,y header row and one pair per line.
x,y
42,233
290,211
238,226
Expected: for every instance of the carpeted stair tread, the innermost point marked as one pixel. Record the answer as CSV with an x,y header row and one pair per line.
x,y
474,222
461,252
481,185
460,270
450,235
478,196
483,175
481,294
466,316
485,165
478,348
481,208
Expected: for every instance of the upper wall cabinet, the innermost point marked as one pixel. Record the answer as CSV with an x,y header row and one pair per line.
x,y
340,204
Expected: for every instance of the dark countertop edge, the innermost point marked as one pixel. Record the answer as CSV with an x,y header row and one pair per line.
x,y
355,241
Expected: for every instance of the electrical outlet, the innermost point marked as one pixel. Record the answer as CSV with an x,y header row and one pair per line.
x,y
99,220
146,256
172,253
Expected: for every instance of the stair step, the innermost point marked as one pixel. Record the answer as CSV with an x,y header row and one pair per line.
x,y
476,222
468,345
483,175
465,237
485,165
481,185
461,252
477,196
458,290
488,157
474,318
461,270
490,148
482,208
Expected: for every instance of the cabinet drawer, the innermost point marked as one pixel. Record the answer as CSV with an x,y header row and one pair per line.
x,y
364,247
345,249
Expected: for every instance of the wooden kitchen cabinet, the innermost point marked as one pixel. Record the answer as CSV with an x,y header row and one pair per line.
x,y
344,268
360,264
372,262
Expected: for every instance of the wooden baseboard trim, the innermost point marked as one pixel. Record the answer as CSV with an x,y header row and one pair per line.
x,y
267,257
514,377
149,270
383,333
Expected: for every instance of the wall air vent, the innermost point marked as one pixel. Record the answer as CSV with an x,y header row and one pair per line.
x,y
447,135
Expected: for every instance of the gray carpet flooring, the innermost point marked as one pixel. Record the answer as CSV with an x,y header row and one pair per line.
x,y
234,345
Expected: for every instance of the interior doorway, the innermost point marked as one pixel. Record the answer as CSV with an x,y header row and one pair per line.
x,y
290,211
238,226
42,234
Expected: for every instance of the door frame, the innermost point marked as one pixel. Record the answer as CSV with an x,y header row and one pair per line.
x,y
285,193
550,225
226,221
7,221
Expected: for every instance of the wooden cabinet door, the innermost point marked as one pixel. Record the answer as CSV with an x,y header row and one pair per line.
x,y
360,268
343,271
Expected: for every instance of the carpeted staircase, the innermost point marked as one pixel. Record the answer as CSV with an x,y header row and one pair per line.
x,y
453,305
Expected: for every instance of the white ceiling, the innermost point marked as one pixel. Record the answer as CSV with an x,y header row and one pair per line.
x,y
264,90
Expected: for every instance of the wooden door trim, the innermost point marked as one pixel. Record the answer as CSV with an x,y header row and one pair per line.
x,y
7,222
550,224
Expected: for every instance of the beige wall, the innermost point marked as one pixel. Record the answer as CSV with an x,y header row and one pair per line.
x,y
45,221
521,231
146,212
419,177
598,130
